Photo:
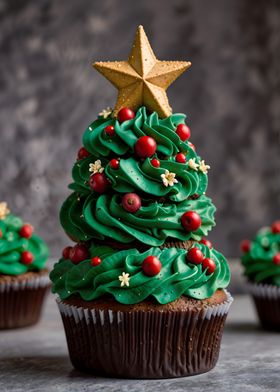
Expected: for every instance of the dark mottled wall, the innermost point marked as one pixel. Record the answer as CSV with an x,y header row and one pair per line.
x,y
49,93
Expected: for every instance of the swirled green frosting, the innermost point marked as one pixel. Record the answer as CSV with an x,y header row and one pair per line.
x,y
176,278
258,262
87,215
12,245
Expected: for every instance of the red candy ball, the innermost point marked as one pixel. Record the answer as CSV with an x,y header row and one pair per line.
x,y
66,252
151,266
110,130
275,227
99,182
26,231
195,256
155,162
95,261
276,259
181,158
191,220
183,131
114,163
125,114
78,253
145,147
26,257
192,146
83,153
210,265
206,242
131,202
245,246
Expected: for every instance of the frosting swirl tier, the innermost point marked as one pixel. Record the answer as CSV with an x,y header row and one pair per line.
x,y
258,262
87,215
12,246
177,276
93,217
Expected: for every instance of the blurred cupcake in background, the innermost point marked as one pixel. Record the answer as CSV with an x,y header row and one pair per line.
x,y
24,280
261,261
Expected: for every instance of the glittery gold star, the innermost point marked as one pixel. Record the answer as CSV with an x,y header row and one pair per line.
x,y
142,80
4,210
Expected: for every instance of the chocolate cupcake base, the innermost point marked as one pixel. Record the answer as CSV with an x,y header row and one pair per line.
x,y
21,298
146,340
267,303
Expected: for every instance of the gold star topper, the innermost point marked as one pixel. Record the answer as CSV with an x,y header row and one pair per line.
x,y
142,79
4,210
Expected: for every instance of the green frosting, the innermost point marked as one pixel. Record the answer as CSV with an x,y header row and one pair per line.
x,y
12,245
87,215
176,278
258,262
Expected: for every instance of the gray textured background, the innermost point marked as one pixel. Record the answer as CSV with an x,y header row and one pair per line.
x,y
49,94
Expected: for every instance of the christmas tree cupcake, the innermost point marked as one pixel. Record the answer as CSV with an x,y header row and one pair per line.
x,y
24,279
261,262
142,293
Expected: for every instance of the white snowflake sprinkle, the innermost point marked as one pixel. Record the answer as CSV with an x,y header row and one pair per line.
x,y
192,164
168,178
105,113
203,167
4,210
124,279
96,167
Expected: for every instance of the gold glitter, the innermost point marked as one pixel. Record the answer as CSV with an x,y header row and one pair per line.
x,y
142,80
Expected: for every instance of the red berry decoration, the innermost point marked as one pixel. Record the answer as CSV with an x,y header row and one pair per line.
x,y
191,220
26,257
78,253
151,266
131,202
206,242
155,162
276,259
125,114
183,131
1,234
26,231
192,146
110,130
181,158
95,261
99,182
114,163
195,256
275,227
209,265
145,146
245,246
66,252
83,153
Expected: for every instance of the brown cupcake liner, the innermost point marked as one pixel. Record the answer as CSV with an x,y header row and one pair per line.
x,y
21,301
144,344
267,303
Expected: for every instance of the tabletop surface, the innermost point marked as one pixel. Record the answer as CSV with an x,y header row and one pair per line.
x,y
35,359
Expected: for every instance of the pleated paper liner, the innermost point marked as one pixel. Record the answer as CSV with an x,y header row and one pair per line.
x,y
267,302
144,344
21,298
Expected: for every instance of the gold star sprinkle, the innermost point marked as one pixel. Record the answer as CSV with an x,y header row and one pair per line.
x,y
192,164
4,210
96,167
124,279
203,167
105,113
142,79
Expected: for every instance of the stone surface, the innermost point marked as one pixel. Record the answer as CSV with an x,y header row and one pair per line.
x,y
49,94
35,359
